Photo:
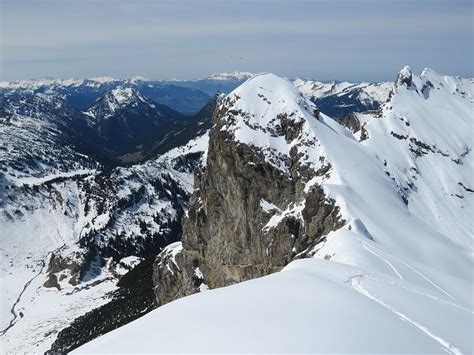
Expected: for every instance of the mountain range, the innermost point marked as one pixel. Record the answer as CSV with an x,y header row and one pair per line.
x,y
338,215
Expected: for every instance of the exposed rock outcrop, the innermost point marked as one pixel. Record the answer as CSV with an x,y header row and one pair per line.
x,y
404,77
351,122
253,210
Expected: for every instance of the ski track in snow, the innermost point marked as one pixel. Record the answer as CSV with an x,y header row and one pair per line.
x,y
418,273
12,310
437,299
369,249
357,285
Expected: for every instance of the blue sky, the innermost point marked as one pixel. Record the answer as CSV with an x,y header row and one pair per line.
x,y
323,39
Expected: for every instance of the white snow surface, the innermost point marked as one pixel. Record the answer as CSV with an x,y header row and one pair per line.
x,y
312,306
196,145
395,278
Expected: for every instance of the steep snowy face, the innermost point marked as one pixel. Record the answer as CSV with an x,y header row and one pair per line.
x,y
422,147
423,137
404,77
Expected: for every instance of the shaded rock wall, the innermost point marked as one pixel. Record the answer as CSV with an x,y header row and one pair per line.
x,y
227,235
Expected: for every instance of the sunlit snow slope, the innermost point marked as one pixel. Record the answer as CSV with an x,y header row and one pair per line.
x,y
397,277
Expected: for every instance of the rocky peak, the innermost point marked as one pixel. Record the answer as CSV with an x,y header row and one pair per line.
x,y
404,77
123,95
254,209
270,115
116,100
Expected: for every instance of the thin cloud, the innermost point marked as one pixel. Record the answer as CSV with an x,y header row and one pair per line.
x,y
52,31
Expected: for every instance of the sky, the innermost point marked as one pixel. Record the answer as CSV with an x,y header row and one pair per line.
x,y
186,39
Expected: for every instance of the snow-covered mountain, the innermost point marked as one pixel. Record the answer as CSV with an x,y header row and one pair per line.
x,y
90,227
236,76
377,205
81,93
341,98
120,126
188,96
70,226
128,122
370,226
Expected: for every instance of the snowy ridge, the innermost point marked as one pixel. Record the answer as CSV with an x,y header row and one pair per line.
x,y
117,99
390,260
34,84
263,105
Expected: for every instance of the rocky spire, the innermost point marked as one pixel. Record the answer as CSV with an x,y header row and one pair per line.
x,y
404,77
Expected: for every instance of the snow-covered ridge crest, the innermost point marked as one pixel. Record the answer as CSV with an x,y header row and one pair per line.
x,y
270,114
34,84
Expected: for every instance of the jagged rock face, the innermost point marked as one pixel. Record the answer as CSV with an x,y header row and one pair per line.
x,y
351,122
252,212
404,77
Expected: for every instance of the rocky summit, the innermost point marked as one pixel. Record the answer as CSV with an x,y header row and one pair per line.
x,y
254,209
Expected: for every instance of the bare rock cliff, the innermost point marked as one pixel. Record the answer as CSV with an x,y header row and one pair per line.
x,y
248,216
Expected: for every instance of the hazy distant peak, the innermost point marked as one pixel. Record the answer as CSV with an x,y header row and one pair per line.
x,y
235,75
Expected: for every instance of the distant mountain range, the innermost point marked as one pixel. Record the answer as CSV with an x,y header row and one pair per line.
x,y
189,96
185,96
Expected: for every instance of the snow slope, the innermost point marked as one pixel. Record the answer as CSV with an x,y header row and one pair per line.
x,y
397,277
424,134
312,306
